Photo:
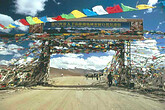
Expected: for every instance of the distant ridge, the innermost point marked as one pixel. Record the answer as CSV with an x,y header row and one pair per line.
x,y
70,72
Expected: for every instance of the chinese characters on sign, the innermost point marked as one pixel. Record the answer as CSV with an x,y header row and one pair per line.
x,y
90,24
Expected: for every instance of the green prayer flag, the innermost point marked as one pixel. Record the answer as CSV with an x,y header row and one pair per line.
x,y
29,19
127,8
67,16
57,34
7,27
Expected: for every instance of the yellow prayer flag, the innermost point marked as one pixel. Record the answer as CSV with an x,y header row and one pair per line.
x,y
66,34
36,20
11,26
78,14
76,44
96,46
143,6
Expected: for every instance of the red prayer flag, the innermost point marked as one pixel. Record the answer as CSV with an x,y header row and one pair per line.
x,y
153,58
2,25
58,18
115,9
24,22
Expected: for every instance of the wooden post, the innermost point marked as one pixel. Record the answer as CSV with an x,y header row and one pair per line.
x,y
128,66
121,61
37,28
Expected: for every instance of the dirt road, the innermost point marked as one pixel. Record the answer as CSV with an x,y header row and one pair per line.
x,y
65,98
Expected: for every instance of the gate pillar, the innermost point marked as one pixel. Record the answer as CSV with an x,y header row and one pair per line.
x,y
40,72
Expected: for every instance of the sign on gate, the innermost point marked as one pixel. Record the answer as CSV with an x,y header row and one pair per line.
x,y
97,24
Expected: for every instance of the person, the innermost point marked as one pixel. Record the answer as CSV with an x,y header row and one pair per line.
x,y
0,76
109,77
97,76
86,76
92,76
62,75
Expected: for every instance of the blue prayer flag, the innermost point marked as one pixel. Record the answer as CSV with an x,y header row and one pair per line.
x,y
89,12
44,19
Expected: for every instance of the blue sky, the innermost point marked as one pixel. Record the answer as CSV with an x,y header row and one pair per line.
x,y
17,9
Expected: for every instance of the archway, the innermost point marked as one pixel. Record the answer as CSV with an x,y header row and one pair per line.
x,y
97,34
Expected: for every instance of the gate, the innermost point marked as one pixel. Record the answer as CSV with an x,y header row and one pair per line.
x,y
84,35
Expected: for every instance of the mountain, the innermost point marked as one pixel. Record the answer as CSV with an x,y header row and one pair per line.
x,y
70,72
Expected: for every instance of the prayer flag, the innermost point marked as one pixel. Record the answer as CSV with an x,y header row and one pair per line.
x,y
49,19
58,18
44,19
127,8
7,27
78,14
143,6
36,20
2,26
17,22
24,22
30,20
115,9
68,16
163,2
89,12
14,25
99,10
11,26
